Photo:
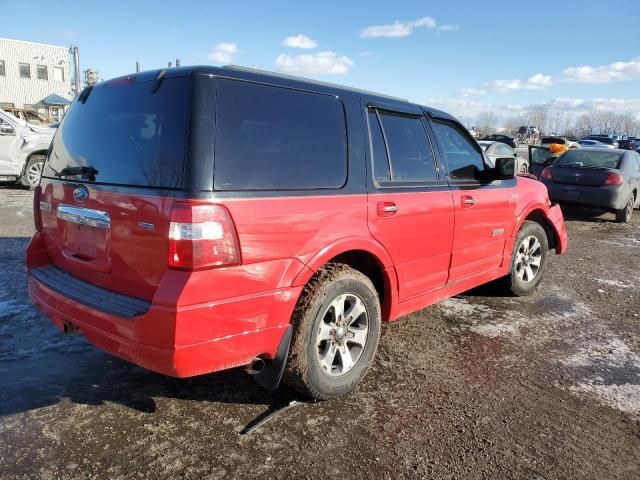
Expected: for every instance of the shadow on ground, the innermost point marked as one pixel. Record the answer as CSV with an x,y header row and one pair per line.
x,y
39,365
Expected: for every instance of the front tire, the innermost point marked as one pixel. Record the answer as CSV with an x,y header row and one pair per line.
x,y
624,215
336,328
33,172
529,259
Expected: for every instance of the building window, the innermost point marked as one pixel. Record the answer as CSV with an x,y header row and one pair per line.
x,y
58,74
25,70
2,71
42,72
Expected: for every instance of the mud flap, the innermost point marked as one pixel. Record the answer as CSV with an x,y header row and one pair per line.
x,y
269,377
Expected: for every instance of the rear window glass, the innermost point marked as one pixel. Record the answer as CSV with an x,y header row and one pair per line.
x,y
130,135
272,138
579,158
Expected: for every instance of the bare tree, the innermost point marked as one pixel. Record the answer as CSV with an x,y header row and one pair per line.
x,y
486,123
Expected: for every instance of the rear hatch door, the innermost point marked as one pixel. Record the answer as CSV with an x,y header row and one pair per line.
x,y
109,181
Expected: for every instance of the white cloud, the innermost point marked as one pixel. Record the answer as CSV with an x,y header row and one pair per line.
x,y
449,28
397,28
314,63
614,72
299,41
223,53
469,108
538,81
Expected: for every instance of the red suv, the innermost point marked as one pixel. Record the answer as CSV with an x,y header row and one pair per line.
x,y
197,219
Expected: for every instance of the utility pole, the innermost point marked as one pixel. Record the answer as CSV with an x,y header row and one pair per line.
x,y
137,67
76,67
177,62
170,64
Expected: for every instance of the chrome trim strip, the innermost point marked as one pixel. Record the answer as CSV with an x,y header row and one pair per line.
x,y
84,216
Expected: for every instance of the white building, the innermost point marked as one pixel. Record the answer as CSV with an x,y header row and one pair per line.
x,y
34,76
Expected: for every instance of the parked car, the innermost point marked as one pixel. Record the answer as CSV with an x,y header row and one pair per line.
x,y
196,219
608,139
629,143
502,139
594,144
549,140
495,150
29,115
597,178
22,150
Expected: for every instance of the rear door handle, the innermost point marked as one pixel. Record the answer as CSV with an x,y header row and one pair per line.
x,y
386,209
467,201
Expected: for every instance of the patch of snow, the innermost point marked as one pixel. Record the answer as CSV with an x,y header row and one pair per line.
x,y
613,283
625,397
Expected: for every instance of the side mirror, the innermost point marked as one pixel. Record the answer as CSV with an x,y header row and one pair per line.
x,y
7,130
516,154
505,168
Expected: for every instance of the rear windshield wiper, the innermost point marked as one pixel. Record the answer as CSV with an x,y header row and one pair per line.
x,y
87,173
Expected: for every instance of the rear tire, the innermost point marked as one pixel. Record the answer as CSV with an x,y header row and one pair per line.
x,y
528,261
624,214
32,171
336,328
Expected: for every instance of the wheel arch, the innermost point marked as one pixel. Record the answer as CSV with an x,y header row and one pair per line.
x,y
539,216
35,153
365,256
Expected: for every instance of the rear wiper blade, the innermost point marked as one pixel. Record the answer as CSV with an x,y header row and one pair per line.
x,y
87,173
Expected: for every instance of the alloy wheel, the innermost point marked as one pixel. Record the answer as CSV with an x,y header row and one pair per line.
x,y
34,172
528,259
342,334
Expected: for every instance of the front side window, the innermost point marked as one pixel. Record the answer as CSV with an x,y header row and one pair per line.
x,y
274,138
2,69
25,70
400,148
42,72
465,162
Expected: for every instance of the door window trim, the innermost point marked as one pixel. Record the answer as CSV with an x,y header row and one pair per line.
x,y
377,107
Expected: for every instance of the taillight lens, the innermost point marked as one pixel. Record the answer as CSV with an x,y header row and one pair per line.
x,y
202,236
547,174
614,179
37,219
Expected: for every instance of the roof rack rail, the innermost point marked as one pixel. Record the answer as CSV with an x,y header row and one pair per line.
x,y
308,80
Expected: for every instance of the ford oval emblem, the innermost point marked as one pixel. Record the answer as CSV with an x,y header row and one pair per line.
x,y
80,194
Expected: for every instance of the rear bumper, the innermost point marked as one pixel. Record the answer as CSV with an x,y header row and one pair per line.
x,y
222,335
608,198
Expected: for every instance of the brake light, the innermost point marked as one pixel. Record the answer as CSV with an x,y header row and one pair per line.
x,y
547,174
614,179
37,219
202,236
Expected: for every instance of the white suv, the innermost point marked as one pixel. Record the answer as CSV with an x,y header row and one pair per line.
x,y
23,148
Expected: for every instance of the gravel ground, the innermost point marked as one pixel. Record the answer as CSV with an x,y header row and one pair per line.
x,y
478,386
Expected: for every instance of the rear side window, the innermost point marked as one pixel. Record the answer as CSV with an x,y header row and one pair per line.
x,y
272,138
400,148
465,162
129,134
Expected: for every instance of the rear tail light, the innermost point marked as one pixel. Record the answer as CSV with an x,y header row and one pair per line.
x,y
547,174
37,219
614,179
202,236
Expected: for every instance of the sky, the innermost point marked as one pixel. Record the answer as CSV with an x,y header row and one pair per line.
x,y
462,56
